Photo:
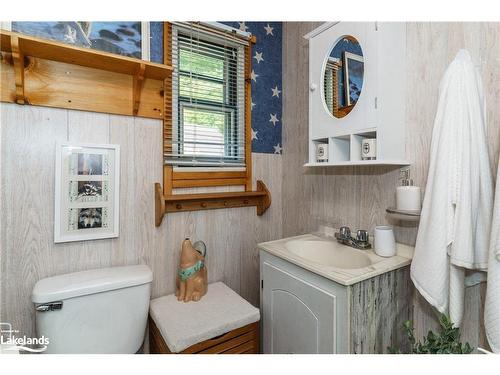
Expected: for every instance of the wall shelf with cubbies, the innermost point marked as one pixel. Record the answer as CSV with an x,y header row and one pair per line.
x,y
377,118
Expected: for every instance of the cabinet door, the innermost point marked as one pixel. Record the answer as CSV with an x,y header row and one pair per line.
x,y
298,317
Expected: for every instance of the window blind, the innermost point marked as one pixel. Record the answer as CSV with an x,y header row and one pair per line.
x,y
328,84
331,84
208,99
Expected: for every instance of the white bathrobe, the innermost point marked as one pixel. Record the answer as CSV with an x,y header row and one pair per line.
x,y
492,304
456,215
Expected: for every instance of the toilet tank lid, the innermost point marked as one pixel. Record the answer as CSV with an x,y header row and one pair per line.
x,y
89,282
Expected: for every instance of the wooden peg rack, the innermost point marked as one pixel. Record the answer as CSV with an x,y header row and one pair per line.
x,y
261,198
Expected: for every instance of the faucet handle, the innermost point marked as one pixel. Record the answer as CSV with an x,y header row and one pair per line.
x,y
362,236
345,233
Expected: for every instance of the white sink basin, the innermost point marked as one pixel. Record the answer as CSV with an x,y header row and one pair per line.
x,y
329,253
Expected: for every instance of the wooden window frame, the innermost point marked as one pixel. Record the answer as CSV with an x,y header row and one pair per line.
x,y
173,179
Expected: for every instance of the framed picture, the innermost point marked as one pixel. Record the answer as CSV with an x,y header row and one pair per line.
x,y
123,38
353,74
87,192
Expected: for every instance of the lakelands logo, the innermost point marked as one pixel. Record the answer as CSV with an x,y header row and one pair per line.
x,y
9,342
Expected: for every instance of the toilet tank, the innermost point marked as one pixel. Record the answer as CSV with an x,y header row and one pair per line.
x,y
96,311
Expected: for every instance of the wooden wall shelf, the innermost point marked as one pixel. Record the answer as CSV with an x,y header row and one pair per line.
x,y
49,73
261,198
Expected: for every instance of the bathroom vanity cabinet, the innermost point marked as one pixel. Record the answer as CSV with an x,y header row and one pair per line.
x,y
303,312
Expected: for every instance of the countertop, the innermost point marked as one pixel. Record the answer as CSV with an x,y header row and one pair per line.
x,y
339,275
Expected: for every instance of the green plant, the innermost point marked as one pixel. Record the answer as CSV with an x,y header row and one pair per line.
x,y
446,342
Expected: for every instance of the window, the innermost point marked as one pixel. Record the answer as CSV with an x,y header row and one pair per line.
x,y
208,99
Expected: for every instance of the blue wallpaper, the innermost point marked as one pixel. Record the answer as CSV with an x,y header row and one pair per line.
x,y
267,90
156,42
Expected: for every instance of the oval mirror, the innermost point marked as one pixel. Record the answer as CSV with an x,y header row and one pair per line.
x,y
343,76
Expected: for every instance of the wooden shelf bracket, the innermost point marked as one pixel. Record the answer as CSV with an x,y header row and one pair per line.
x,y
137,89
261,199
18,61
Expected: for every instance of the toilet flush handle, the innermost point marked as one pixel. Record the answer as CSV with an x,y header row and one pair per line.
x,y
51,306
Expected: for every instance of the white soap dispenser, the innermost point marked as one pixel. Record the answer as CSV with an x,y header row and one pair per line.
x,y
407,195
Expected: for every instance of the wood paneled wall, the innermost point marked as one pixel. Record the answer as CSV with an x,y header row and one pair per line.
x,y
358,196
28,140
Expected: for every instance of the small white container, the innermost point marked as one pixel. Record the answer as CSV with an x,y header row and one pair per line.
x,y
322,152
368,149
385,243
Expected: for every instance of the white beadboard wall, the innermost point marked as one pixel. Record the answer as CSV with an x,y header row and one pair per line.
x,y
28,253
358,196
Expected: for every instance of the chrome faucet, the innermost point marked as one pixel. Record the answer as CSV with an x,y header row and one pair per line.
x,y
360,242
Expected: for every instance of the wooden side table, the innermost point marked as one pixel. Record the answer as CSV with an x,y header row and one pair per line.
x,y
222,322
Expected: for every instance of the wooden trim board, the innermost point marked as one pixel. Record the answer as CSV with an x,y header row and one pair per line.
x,y
190,183
248,114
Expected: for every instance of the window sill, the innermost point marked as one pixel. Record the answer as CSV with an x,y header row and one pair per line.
x,y
209,169
176,178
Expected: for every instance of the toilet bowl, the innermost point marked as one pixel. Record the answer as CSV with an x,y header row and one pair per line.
x,y
96,311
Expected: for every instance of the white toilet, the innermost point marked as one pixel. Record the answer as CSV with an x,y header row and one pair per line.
x,y
97,311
